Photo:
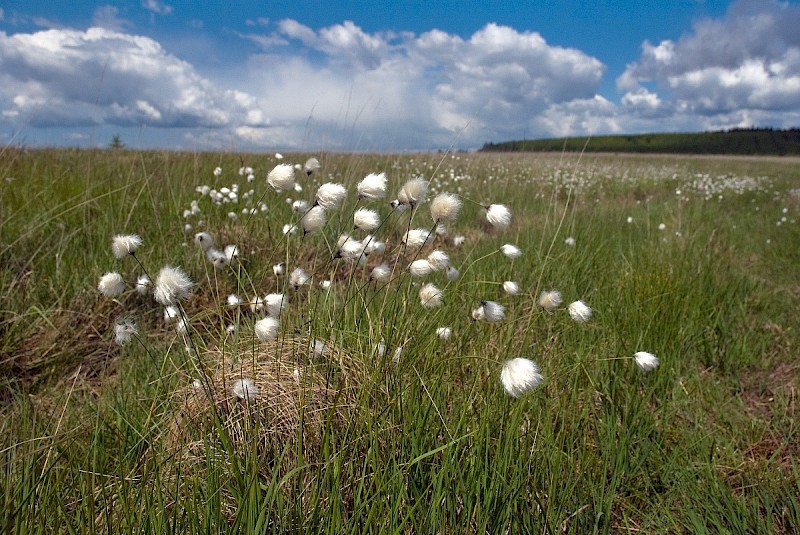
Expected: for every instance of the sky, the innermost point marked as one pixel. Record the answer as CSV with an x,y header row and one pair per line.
x,y
389,76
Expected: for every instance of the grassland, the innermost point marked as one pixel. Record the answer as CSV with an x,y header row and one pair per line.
x,y
366,421
755,141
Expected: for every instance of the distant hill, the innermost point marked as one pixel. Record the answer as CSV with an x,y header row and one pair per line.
x,y
755,141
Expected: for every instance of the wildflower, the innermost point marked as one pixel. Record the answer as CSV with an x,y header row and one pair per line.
x,y
267,328
570,242
142,284
550,300
511,287
330,195
245,389
122,245
413,192
380,273
438,260
417,237
498,215
281,178
646,361
300,206
231,253
520,375
204,240
452,273
111,284
366,219
490,311
445,208
579,311
430,296
299,278
444,332
124,331
372,187
511,251
275,304
172,285
314,220
311,166
420,268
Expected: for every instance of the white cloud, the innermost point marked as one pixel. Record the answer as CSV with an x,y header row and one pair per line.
x,y
731,71
159,8
108,17
75,78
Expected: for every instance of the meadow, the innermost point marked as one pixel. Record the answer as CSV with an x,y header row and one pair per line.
x,y
298,374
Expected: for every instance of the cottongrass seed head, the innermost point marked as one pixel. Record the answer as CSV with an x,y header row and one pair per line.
x,y
281,178
579,311
498,215
143,284
172,285
413,192
520,375
314,220
245,389
124,245
311,166
204,240
511,287
381,273
420,268
111,284
299,278
366,219
267,328
511,251
445,208
330,195
275,304
372,187
417,238
646,361
430,296
124,331
550,300
490,311
438,260
444,332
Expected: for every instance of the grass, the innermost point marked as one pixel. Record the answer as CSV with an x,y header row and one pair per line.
x,y
98,437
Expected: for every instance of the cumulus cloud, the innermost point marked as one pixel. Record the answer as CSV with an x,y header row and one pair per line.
x,y
741,68
63,77
159,8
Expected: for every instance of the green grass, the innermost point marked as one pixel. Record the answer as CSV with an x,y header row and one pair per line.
x,y
428,442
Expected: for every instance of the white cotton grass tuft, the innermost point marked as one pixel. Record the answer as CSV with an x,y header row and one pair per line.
x,y
430,296
124,245
311,166
511,251
217,258
381,273
172,285
570,242
498,215
245,389
256,304
143,284
124,331
459,240
579,311
204,240
366,219
281,178
111,284
330,195
277,269
646,361
550,300
300,206
438,260
314,220
452,273
234,300
511,287
490,311
416,238
413,192
171,313
520,375
372,187
444,332
445,208
299,278
420,268
275,304
267,328
231,253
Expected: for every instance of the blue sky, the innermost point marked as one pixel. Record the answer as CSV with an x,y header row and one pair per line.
x,y
389,75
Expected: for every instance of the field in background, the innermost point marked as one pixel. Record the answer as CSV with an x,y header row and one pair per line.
x,y
386,427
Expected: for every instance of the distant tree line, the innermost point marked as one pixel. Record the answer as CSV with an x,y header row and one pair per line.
x,y
755,141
